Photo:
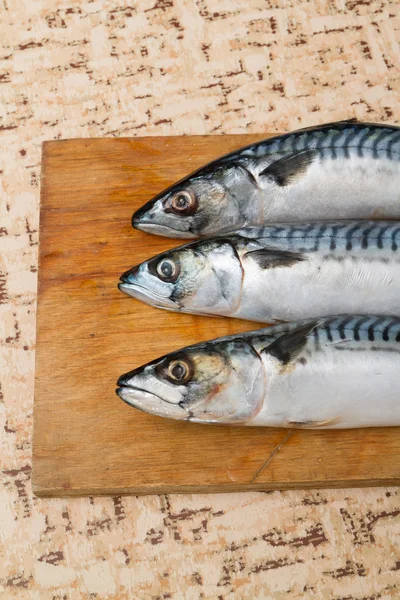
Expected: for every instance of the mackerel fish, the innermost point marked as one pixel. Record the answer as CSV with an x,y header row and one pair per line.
x,y
332,373
279,272
344,170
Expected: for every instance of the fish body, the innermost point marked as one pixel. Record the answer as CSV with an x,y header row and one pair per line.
x,y
279,272
333,373
345,170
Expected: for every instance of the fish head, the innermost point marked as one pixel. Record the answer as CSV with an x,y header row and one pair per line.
x,y
215,199
201,277
214,382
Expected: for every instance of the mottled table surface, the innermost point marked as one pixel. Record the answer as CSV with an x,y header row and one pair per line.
x,y
171,67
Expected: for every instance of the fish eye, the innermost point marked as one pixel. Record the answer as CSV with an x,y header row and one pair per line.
x,y
179,371
183,202
167,270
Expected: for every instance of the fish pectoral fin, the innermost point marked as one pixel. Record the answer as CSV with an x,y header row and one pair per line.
x,y
270,258
312,424
289,345
285,170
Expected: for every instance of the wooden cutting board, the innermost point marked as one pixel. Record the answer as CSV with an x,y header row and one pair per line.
x,y
86,440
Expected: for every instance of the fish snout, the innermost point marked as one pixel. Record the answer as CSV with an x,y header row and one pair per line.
x,y
130,275
125,379
139,283
144,213
143,392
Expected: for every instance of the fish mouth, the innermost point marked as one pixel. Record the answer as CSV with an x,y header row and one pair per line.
x,y
144,294
145,219
149,402
163,230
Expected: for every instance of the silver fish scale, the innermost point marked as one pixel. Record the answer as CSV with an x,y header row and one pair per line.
x,y
383,141
339,236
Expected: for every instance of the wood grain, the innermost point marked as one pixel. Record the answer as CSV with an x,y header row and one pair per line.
x,y
88,442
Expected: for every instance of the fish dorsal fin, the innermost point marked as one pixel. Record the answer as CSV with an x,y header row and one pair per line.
x,y
287,169
289,345
331,125
268,258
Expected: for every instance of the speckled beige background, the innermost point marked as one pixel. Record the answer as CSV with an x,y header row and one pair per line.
x,y
161,67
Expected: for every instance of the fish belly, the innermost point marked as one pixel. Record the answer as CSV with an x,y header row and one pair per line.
x,y
335,389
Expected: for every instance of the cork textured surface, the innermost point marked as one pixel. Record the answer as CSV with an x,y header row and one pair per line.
x,y
171,67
